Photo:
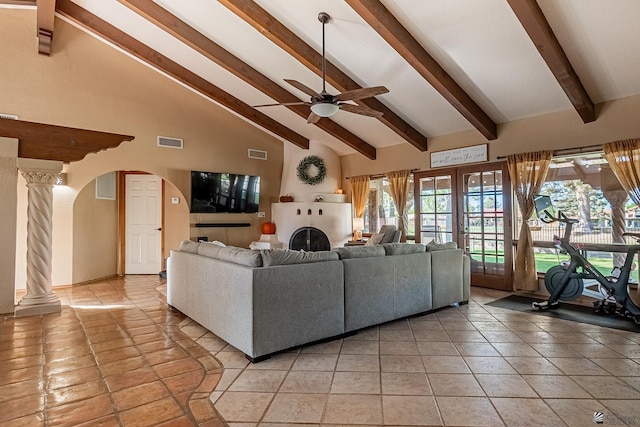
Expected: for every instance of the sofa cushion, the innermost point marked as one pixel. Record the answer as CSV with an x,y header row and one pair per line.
x,y
403,248
210,249
271,257
248,257
433,246
360,252
189,246
375,239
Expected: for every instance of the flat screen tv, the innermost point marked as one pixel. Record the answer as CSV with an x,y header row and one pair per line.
x,y
213,192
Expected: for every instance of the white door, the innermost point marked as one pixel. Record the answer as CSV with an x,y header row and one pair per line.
x,y
143,224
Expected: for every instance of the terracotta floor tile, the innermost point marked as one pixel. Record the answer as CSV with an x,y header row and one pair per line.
x,y
108,356
67,353
21,407
130,379
80,412
69,378
31,420
20,389
76,392
110,336
22,363
19,375
186,382
176,367
139,395
123,365
72,364
167,355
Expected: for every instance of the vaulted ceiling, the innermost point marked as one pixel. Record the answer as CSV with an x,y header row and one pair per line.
x,y
449,65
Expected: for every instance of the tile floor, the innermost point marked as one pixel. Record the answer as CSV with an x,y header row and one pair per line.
x,y
115,356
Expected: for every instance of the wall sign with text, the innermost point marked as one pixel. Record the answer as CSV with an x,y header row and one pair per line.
x,y
459,156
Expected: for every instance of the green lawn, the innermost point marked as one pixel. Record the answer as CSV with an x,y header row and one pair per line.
x,y
545,261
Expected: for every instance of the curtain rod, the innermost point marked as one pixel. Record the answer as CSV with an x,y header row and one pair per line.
x,y
568,151
382,175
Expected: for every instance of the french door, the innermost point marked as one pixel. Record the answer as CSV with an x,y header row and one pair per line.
x,y
472,207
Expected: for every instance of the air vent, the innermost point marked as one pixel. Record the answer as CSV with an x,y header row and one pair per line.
x,y
8,116
106,186
257,154
165,141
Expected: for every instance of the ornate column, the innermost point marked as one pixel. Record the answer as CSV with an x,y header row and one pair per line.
x,y
616,199
40,298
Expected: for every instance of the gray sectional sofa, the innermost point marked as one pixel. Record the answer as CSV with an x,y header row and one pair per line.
x,y
265,301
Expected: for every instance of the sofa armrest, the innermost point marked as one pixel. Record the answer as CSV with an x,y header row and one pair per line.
x,y
447,275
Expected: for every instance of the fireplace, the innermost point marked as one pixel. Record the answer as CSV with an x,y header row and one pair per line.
x,y
309,239
334,219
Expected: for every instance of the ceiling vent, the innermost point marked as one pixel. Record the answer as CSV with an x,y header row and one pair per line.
x,y
8,116
257,154
165,141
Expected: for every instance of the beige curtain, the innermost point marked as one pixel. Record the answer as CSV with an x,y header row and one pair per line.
x,y
359,193
624,160
528,172
399,189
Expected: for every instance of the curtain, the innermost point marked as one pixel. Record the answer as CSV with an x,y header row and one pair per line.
x,y
624,160
399,189
527,172
359,193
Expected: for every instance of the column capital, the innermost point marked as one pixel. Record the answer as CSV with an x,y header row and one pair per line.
x,y
39,177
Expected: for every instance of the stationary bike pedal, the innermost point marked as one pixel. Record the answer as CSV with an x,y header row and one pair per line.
x,y
542,305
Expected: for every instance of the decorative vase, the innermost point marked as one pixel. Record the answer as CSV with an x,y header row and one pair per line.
x,y
268,228
286,198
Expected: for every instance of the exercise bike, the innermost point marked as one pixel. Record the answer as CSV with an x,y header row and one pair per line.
x,y
566,282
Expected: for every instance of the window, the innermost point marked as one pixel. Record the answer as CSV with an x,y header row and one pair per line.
x,y
584,187
381,210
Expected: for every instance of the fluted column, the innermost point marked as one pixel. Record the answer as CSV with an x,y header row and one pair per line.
x,y
40,298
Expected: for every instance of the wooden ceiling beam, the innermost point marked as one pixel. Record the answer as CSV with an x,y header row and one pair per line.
x,y
279,34
391,30
51,142
112,34
537,27
45,11
216,53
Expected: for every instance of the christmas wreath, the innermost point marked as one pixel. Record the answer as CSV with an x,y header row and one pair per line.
x,y
304,166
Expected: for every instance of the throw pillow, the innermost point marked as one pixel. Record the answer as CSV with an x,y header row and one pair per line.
x,y
248,257
403,248
271,257
360,252
433,246
210,250
375,239
189,246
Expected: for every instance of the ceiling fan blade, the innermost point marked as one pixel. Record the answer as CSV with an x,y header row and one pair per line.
x,y
283,103
313,118
360,110
365,92
312,93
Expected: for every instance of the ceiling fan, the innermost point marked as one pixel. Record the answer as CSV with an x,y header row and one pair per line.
x,y
323,104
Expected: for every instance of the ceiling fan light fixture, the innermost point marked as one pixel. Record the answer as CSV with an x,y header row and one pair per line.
x,y
325,109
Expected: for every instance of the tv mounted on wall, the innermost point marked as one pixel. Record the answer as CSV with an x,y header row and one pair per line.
x,y
214,192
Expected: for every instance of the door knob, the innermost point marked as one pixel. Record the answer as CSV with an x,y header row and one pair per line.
x,y
159,229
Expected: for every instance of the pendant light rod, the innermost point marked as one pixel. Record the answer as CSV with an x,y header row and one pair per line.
x,y
324,18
